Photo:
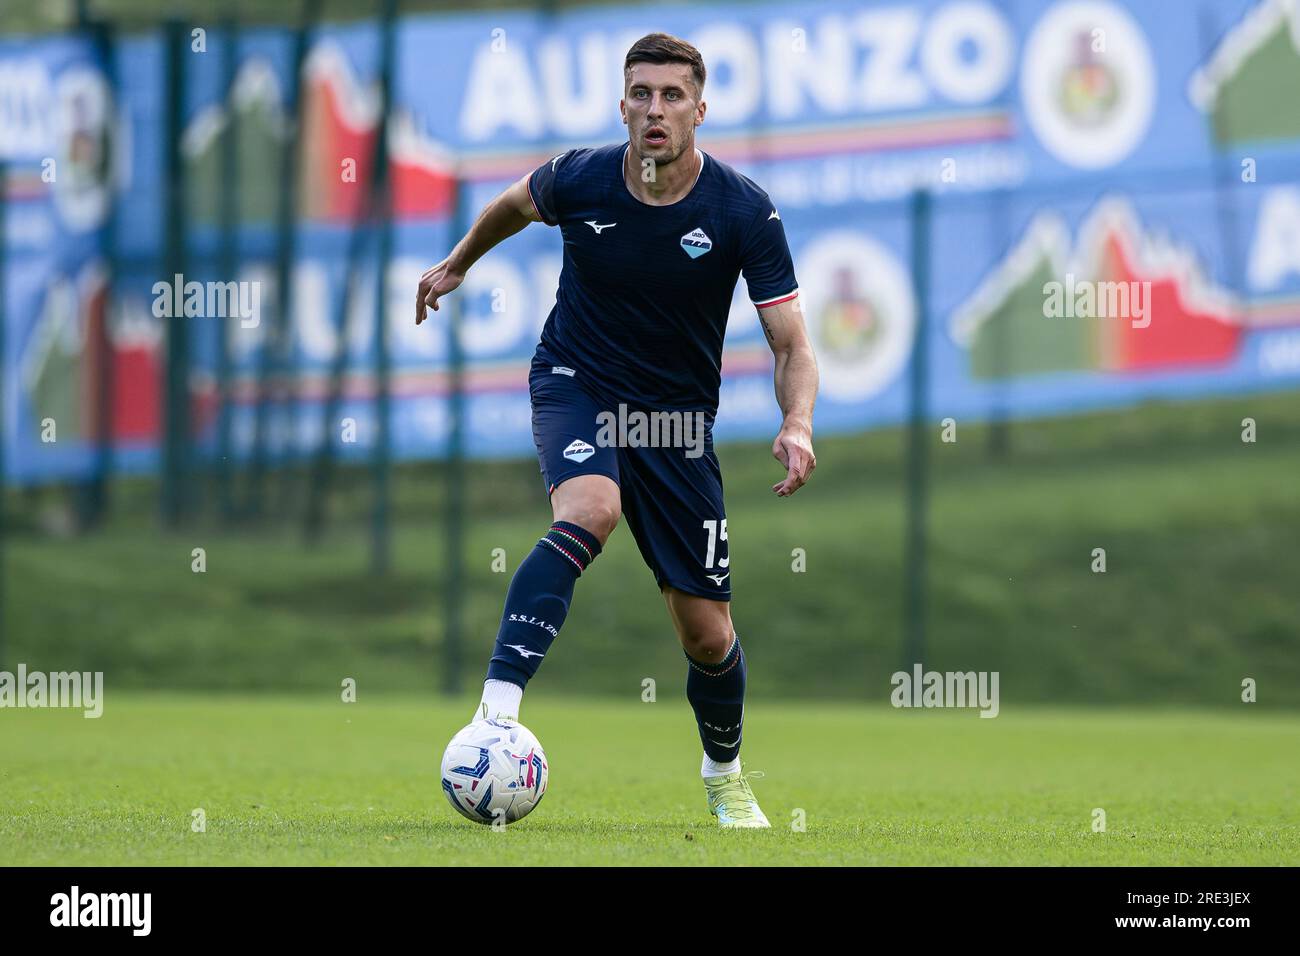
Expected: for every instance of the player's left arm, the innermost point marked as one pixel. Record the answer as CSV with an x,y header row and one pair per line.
x,y
796,391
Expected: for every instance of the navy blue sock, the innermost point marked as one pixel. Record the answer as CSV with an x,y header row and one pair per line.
x,y
538,601
717,693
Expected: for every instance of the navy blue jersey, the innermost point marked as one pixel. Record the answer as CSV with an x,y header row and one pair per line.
x,y
642,304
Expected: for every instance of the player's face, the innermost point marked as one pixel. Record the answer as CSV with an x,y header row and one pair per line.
x,y
661,108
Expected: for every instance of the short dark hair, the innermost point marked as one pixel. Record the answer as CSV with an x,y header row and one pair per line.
x,y
665,48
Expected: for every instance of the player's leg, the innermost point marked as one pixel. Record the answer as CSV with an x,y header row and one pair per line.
x,y
715,681
582,482
715,687
674,508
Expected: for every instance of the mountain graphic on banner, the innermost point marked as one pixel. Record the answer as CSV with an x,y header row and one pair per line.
x,y
1005,328
63,361
337,150
1239,86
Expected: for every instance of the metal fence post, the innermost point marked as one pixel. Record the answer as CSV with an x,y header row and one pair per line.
x,y
175,451
918,442
380,551
228,258
454,497
94,498
4,382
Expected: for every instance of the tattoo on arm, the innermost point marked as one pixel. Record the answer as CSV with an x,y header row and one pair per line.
x,y
766,328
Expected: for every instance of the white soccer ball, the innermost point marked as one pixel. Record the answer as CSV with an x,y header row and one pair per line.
x,y
494,770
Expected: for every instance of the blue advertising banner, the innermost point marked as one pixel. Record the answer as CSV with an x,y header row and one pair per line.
x,y
1116,214
55,121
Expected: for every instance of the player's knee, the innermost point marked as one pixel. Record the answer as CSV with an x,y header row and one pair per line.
x,y
597,514
706,642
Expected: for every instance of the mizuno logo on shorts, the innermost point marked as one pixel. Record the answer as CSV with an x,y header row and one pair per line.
x,y
579,451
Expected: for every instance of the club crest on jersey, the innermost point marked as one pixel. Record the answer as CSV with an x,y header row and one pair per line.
x,y
696,243
579,451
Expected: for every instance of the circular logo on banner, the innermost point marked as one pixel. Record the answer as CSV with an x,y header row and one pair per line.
x,y
83,126
1088,83
857,301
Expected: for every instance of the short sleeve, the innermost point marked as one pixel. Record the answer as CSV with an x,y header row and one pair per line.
x,y
765,260
543,189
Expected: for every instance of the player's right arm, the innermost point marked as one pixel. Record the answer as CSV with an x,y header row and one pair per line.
x,y
500,219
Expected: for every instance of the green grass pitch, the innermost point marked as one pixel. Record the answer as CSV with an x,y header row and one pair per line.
x,y
291,780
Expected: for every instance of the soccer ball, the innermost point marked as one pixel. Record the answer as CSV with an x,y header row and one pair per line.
x,y
494,770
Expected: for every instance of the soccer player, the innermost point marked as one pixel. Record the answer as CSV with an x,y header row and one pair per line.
x,y
656,233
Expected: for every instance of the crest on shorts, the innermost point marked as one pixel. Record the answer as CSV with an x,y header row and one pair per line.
x,y
696,243
579,451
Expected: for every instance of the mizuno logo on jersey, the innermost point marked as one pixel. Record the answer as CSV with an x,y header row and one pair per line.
x,y
696,243
556,160
579,451
775,215
598,227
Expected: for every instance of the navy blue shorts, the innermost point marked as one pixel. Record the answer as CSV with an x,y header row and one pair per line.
x,y
671,495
